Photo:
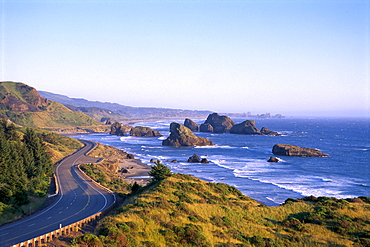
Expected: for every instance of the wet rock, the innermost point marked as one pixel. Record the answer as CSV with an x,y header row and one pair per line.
x,y
191,125
183,136
194,159
291,150
273,159
220,124
140,131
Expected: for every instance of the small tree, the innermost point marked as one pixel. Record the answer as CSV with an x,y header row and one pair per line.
x,y
159,172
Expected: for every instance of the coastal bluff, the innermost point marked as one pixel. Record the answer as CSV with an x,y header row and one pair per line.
x,y
183,136
291,150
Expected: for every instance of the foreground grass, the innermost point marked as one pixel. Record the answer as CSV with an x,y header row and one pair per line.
x,y
185,211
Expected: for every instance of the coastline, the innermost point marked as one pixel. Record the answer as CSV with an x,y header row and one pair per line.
x,y
134,170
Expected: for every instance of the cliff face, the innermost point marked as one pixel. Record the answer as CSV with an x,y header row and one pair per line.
x,y
183,136
24,106
19,97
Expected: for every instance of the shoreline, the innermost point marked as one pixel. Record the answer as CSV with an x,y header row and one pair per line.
x,y
134,170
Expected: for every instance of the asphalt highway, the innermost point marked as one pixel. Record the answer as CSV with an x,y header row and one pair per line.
x,y
77,199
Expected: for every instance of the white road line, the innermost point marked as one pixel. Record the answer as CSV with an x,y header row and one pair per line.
x,y
31,225
48,218
4,234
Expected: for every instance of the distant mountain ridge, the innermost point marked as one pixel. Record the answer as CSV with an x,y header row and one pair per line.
x,y
120,112
24,106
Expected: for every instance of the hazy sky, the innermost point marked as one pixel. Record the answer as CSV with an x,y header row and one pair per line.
x,y
291,57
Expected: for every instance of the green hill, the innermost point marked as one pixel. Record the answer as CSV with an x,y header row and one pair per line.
x,y
24,106
185,211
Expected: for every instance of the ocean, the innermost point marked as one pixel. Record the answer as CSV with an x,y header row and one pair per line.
x,y
241,160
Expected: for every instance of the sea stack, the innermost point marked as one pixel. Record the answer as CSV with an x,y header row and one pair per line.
x,y
183,136
220,124
291,150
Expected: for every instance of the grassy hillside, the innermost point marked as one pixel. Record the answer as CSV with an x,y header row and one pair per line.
x,y
24,106
185,211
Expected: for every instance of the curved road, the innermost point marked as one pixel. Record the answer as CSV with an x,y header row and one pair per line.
x,y
78,198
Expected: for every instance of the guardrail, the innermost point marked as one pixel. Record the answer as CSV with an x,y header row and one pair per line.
x,y
43,239
74,227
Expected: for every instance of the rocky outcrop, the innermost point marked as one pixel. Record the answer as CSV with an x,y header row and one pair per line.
x,y
247,127
195,159
291,150
119,129
204,161
183,136
266,131
206,127
107,121
220,124
191,125
144,132
273,159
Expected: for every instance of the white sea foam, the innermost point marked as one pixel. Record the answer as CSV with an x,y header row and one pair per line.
x,y
304,185
274,200
216,146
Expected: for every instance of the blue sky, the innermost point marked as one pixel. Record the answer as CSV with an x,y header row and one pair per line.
x,y
297,58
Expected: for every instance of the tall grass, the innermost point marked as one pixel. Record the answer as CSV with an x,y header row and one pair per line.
x,y
185,211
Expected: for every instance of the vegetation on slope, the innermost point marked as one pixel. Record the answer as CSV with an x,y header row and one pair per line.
x,y
24,106
26,165
105,172
184,211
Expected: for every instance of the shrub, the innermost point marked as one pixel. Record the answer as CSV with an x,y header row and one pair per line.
x,y
123,227
88,240
160,172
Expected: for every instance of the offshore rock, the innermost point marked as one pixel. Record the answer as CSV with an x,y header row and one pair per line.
x,y
266,131
204,161
291,150
273,159
206,127
191,125
119,129
194,159
183,136
248,127
220,124
144,132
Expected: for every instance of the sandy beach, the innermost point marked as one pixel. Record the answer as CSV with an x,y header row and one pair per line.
x,y
133,170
